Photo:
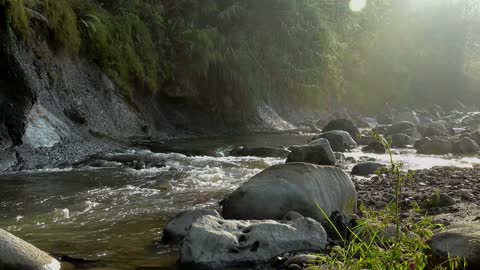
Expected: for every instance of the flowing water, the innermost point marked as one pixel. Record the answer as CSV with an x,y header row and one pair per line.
x,y
117,215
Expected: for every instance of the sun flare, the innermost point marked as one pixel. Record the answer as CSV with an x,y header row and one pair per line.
x,y
357,5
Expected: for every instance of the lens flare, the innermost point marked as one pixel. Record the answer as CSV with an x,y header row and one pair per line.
x,y
357,5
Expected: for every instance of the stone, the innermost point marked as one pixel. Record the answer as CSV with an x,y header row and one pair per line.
x,y
345,125
215,243
440,200
398,127
307,259
366,168
366,140
465,146
457,241
384,119
375,147
18,254
407,116
402,140
316,152
465,195
260,152
420,142
339,140
291,215
292,187
436,147
178,227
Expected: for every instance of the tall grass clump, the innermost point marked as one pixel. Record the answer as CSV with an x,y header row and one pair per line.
x,y
386,239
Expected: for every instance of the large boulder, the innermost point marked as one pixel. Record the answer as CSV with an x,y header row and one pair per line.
x,y
178,227
436,146
465,146
292,187
316,152
398,127
345,125
366,168
420,142
375,147
259,152
407,116
339,140
18,254
457,241
402,140
214,243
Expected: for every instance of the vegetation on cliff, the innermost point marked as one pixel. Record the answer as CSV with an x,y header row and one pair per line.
x,y
229,53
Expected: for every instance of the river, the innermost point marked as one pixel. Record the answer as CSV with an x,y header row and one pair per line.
x,y
117,216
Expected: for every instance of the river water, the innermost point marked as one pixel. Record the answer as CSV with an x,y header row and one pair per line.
x,y
117,215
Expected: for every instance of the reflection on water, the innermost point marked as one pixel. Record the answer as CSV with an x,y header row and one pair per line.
x,y
117,215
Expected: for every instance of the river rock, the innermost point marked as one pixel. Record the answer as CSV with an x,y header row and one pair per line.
x,y
178,227
375,147
345,125
366,140
214,243
384,119
18,254
465,146
366,168
292,187
457,241
402,140
398,127
436,147
407,116
339,140
420,142
260,152
316,152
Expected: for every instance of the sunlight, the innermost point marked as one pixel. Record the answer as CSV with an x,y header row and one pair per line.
x,y
357,5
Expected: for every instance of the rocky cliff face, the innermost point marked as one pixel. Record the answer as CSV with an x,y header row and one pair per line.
x,y
56,109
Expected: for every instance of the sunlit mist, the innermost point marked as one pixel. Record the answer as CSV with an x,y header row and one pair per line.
x,y
357,5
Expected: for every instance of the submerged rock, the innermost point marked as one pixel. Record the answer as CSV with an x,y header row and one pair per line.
x,y
292,187
345,125
18,254
214,243
178,227
339,140
316,152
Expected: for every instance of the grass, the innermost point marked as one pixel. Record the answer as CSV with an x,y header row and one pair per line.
x,y
382,239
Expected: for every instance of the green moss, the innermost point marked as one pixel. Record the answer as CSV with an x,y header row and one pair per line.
x,y
62,22
16,17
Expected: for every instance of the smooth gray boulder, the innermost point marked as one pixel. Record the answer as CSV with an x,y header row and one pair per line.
x,y
402,140
178,227
366,168
398,127
375,147
420,142
18,254
457,241
339,140
345,125
292,187
316,152
465,146
215,243
436,147
260,152
407,116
